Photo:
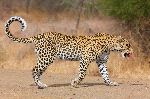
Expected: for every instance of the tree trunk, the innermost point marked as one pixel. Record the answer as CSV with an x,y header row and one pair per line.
x,y
28,3
79,13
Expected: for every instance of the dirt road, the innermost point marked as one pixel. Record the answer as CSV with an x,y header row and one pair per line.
x,y
18,85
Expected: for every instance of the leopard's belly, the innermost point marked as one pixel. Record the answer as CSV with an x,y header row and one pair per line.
x,y
68,54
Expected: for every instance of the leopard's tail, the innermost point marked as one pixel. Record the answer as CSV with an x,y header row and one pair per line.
x,y
23,27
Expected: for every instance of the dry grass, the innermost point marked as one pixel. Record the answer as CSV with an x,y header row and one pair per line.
x,y
22,57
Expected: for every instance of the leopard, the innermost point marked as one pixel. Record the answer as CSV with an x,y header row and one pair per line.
x,y
50,46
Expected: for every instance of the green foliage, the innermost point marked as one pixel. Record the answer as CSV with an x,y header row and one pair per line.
x,y
128,10
136,13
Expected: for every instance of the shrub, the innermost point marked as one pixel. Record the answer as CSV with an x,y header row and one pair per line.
x,y
136,13
128,10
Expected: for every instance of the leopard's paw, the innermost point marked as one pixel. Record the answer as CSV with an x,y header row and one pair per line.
x,y
115,84
112,84
74,84
41,85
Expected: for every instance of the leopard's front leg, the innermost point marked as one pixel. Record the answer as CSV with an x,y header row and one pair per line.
x,y
104,73
101,61
82,72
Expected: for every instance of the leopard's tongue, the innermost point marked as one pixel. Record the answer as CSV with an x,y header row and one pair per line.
x,y
131,56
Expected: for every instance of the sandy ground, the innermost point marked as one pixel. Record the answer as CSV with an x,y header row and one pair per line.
x,y
19,85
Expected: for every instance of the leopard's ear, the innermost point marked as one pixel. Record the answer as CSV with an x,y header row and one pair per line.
x,y
120,39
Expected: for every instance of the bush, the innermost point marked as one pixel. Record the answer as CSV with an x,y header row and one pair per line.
x,y
136,13
128,10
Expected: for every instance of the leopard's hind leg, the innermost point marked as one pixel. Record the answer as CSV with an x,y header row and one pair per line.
x,y
44,60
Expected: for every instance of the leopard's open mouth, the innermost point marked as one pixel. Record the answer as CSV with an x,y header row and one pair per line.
x,y
126,54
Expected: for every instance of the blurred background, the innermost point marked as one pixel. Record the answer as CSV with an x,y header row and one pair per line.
x,y
128,18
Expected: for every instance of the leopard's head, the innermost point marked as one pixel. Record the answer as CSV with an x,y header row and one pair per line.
x,y
122,45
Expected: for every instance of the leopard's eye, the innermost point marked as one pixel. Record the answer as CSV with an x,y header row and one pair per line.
x,y
128,45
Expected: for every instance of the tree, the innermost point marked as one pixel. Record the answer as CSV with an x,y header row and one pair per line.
x,y
28,3
80,6
135,13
